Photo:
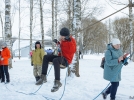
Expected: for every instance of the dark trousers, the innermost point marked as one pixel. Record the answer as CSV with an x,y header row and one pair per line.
x,y
4,72
0,74
57,60
112,89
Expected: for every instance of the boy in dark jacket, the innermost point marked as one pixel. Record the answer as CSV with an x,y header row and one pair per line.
x,y
67,48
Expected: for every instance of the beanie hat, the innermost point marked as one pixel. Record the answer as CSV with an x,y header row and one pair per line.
x,y
115,41
64,32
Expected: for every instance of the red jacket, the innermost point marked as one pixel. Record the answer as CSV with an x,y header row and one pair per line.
x,y
68,48
5,53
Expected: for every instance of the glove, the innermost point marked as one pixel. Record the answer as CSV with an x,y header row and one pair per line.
x,y
56,41
2,59
125,62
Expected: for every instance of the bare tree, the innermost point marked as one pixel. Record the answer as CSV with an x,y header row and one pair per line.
x,y
121,29
8,34
2,25
53,22
42,23
31,23
76,32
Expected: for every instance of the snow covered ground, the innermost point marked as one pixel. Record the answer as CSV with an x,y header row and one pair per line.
x,y
86,87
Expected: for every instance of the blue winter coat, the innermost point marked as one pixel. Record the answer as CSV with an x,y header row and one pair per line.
x,y
112,68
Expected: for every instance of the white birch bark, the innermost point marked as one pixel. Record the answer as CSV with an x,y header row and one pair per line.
x,y
42,23
31,23
52,21
8,34
2,26
76,29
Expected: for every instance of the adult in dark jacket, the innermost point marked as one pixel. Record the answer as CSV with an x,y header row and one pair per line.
x,y
112,67
67,48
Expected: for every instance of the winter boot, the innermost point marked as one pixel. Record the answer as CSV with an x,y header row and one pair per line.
x,y
2,81
104,95
37,78
41,80
57,85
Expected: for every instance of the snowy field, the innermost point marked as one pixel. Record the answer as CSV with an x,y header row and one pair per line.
x,y
86,87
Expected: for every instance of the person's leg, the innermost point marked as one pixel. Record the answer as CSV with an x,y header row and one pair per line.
x,y
46,60
35,71
104,94
56,62
114,88
2,73
39,70
6,73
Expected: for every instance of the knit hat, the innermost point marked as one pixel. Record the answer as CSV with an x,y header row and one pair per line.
x,y
115,41
64,32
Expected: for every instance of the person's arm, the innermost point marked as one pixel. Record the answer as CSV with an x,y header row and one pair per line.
x,y
109,59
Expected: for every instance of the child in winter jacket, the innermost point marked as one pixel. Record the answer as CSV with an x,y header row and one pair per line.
x,y
37,59
67,48
5,55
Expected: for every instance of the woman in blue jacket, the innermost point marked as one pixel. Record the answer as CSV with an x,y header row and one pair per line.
x,y
112,67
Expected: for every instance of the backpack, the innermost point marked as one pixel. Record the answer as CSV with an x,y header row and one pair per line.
x,y
103,61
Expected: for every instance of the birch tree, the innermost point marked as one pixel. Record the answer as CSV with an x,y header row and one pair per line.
x,y
76,32
42,23
1,25
8,34
52,21
31,23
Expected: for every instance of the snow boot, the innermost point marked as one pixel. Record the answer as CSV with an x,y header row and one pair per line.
x,y
57,85
41,80
104,95
37,78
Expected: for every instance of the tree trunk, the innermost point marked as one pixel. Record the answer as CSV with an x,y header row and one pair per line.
x,y
56,3
2,26
53,22
19,30
31,23
42,24
8,34
76,29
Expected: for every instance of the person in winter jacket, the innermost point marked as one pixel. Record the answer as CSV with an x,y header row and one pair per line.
x,y
112,67
67,48
0,64
37,59
5,55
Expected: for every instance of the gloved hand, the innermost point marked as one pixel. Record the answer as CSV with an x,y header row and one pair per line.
x,y
125,61
2,59
56,41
